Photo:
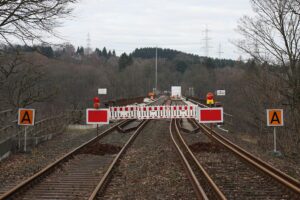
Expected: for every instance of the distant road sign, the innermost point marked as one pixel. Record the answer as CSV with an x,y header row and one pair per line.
x,y
275,117
102,91
97,116
26,117
221,92
211,115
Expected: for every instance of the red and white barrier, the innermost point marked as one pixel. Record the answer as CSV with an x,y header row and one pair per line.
x,y
123,112
153,112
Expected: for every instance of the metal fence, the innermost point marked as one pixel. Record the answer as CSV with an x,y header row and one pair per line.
x,y
12,135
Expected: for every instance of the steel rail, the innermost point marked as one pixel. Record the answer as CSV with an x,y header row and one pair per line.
x,y
104,180
200,193
218,194
285,180
51,167
278,175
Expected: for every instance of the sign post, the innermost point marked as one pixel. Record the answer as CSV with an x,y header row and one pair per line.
x,y
96,106
275,118
26,118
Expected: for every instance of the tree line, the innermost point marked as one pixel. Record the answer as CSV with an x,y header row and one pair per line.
x,y
56,80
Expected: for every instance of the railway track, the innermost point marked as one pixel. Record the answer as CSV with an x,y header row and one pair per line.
x,y
75,175
235,171
227,171
277,175
217,168
268,181
204,186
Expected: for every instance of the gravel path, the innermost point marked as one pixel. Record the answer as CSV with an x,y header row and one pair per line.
x,y
150,168
20,166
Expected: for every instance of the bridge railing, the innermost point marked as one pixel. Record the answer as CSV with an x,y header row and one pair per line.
x,y
12,135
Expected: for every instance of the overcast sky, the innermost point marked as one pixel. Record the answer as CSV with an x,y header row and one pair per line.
x,y
177,24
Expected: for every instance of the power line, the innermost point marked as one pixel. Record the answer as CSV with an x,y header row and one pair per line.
x,y
88,44
206,39
220,52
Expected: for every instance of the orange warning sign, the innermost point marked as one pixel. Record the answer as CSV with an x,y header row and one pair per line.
x,y
26,117
275,117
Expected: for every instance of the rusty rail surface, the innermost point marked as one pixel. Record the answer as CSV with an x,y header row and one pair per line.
x,y
105,179
36,178
277,175
103,183
207,189
25,186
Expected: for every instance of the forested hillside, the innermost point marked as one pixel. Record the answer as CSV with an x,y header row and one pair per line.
x,y
56,79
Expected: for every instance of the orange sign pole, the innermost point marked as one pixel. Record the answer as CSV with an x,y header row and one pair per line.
x,y
275,118
26,118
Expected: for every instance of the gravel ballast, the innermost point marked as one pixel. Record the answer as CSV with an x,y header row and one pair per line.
x,y
20,166
150,169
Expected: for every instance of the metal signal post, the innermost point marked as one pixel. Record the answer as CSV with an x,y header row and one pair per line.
x,y
96,106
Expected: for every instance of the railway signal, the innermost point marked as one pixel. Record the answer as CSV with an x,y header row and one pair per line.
x,y
96,102
275,118
210,98
26,118
96,115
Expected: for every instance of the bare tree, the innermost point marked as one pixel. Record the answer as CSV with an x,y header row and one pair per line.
x,y
29,20
273,36
22,81
295,6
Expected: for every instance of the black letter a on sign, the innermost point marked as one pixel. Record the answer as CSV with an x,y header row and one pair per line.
x,y
275,118
26,118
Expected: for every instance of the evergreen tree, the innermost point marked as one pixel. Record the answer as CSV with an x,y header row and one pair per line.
x,y
104,52
114,53
109,54
80,51
98,52
46,51
181,66
124,61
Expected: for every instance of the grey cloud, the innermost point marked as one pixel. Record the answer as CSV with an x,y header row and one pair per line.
x,y
124,25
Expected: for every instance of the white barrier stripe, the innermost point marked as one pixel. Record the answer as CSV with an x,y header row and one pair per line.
x,y
153,112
